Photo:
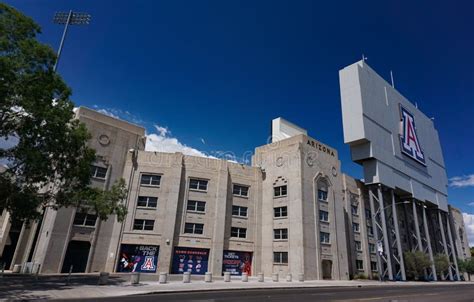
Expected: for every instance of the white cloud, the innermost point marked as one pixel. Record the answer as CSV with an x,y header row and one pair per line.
x,y
107,112
469,224
203,141
462,181
471,204
164,142
119,114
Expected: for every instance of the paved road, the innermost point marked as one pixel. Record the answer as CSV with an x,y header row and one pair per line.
x,y
431,293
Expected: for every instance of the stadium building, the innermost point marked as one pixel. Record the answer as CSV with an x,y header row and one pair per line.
x,y
292,211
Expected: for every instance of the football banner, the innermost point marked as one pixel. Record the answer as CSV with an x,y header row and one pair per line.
x,y
237,263
138,258
193,260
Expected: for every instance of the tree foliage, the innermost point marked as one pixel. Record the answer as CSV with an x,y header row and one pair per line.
x,y
441,263
416,263
42,147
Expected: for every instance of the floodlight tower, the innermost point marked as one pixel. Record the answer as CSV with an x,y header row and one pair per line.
x,y
69,18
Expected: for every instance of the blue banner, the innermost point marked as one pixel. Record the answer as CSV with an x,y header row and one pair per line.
x,y
193,260
237,263
138,258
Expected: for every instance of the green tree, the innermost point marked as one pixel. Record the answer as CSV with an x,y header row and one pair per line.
x,y
416,263
441,263
466,266
43,148
472,251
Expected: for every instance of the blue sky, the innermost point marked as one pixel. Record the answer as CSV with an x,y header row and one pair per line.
x,y
212,74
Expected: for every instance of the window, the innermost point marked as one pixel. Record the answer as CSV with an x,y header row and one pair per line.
x,y
193,228
370,230
279,234
354,209
143,224
373,266
360,265
196,206
280,191
147,201
198,184
84,219
368,214
355,227
324,237
280,257
322,195
323,216
280,212
372,248
98,172
358,245
238,232
150,180
241,190
239,211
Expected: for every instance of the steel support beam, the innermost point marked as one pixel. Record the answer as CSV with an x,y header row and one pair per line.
x,y
428,244
397,235
385,233
443,238
417,227
453,252
376,233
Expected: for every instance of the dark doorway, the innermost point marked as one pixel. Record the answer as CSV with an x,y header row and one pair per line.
x,y
10,246
327,269
77,255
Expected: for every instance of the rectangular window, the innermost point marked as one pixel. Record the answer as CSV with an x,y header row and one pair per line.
x,y
322,195
279,234
355,227
193,228
196,206
324,237
358,245
143,224
354,210
147,202
239,211
279,191
372,248
280,257
280,212
238,232
323,216
198,184
150,180
239,190
373,266
98,172
368,214
370,230
360,265
84,219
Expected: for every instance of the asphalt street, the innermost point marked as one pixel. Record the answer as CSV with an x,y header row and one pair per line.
x,y
432,293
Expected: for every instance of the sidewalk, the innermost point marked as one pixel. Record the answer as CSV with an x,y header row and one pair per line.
x,y
85,286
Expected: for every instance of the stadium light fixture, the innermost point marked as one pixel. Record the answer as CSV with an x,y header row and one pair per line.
x,y
69,18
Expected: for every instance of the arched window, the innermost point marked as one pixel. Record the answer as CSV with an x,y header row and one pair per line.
x,y
323,190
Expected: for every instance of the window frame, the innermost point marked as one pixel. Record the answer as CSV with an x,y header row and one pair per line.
x,y
240,187
85,219
323,235
356,227
361,262
358,245
280,190
280,210
280,234
95,169
323,195
238,232
239,211
327,216
372,264
198,184
150,183
197,205
147,206
372,248
195,228
356,212
282,257
144,226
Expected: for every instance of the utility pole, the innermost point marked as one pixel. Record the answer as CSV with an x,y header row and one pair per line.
x,y
68,18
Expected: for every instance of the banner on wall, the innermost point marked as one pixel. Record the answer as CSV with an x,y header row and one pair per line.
x,y
138,258
193,260
237,263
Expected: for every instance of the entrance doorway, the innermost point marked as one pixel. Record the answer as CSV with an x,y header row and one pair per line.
x,y
327,269
77,255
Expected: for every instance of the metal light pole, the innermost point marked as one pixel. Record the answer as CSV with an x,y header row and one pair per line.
x,y
68,18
